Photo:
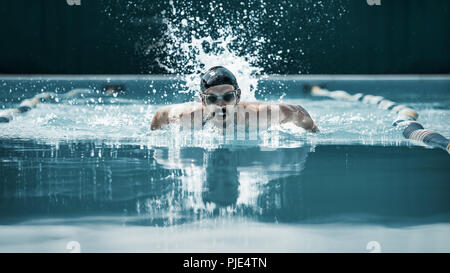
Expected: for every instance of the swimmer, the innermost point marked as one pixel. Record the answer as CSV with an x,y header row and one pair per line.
x,y
220,105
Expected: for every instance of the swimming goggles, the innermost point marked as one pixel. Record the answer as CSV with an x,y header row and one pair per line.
x,y
227,97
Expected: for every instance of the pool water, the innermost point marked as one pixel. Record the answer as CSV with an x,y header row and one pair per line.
x,y
88,169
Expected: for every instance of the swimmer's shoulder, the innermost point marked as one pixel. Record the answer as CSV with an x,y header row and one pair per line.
x,y
179,107
177,110
262,105
169,113
254,105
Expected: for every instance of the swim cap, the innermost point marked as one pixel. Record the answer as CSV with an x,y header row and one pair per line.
x,y
217,75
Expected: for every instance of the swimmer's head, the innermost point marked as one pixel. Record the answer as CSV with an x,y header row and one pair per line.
x,y
219,86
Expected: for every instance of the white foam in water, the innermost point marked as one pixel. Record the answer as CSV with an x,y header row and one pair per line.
x,y
119,123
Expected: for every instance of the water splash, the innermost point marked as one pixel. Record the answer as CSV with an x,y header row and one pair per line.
x,y
251,38
200,35
193,45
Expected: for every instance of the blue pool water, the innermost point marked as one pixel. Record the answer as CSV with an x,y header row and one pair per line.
x,y
88,169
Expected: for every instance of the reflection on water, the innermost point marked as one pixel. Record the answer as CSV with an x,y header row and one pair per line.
x,y
164,186
228,198
230,181
169,186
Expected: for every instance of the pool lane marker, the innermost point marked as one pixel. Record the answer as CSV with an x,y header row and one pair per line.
x,y
406,117
26,105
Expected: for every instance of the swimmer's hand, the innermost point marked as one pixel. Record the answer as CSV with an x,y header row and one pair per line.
x,y
315,129
299,116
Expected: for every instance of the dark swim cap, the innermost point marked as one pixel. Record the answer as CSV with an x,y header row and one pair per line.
x,y
217,75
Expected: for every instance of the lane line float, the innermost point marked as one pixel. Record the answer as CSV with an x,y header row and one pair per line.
x,y
406,118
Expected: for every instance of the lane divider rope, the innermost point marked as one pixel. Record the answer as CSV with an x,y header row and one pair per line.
x,y
406,118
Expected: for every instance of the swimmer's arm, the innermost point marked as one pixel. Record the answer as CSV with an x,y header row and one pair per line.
x,y
174,113
299,116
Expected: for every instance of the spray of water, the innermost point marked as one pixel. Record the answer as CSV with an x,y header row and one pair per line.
x,y
251,38
193,44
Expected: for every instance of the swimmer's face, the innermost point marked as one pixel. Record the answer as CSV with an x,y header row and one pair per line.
x,y
220,95
220,99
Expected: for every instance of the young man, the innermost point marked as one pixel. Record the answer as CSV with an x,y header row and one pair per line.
x,y
221,106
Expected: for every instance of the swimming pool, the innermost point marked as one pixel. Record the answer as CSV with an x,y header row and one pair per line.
x,y
87,169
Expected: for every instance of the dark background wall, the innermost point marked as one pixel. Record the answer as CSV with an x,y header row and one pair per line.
x,y
107,37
